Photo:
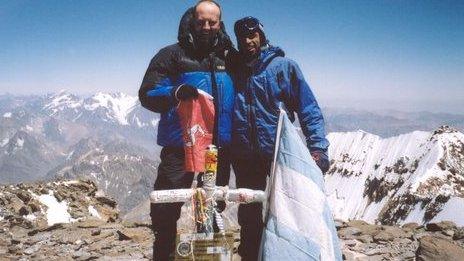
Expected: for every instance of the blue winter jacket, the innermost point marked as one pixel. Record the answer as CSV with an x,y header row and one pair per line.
x,y
273,82
181,63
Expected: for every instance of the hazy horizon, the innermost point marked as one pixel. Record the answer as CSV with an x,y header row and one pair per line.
x,y
368,55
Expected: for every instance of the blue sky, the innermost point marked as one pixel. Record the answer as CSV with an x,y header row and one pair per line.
x,y
406,55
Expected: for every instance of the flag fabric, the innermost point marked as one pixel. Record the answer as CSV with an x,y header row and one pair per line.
x,y
299,223
197,121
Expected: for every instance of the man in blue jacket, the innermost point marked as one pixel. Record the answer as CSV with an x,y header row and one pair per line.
x,y
266,81
176,73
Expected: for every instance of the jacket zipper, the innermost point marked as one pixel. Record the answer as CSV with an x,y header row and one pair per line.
x,y
215,94
252,118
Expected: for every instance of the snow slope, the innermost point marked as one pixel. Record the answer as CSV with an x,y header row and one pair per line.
x,y
415,177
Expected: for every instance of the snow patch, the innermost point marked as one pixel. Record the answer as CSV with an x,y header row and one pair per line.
x,y
7,115
94,212
70,182
19,142
4,142
30,217
452,210
416,215
119,105
70,155
61,101
57,212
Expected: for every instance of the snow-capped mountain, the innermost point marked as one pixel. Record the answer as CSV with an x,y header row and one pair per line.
x,y
25,158
37,133
105,107
399,179
415,177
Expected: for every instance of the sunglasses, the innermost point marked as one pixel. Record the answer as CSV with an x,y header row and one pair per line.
x,y
246,26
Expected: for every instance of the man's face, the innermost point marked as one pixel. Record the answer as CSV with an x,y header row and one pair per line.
x,y
250,44
207,21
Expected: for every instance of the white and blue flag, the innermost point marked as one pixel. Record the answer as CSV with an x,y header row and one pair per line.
x,y
299,224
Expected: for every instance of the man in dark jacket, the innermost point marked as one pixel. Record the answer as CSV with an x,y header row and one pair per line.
x,y
266,82
176,73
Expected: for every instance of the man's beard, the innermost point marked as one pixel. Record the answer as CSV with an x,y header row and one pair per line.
x,y
205,42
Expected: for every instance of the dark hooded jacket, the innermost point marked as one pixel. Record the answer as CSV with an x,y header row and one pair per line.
x,y
270,83
183,63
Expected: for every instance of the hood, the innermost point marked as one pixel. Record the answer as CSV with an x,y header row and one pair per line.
x,y
186,37
265,57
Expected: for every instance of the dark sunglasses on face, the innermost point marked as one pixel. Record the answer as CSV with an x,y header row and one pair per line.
x,y
246,26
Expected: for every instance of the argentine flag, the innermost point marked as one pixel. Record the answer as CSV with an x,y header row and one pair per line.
x,y
299,224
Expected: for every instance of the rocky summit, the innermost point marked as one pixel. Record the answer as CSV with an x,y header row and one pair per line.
x,y
435,241
66,220
73,220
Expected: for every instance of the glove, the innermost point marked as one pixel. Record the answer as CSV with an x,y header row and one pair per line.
x,y
184,92
321,159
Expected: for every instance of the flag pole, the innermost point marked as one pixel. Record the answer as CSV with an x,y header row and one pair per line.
x,y
270,183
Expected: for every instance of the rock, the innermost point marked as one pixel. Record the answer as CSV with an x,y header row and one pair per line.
x,y
54,226
135,234
349,232
378,251
95,232
384,236
59,196
357,223
23,195
38,237
91,223
107,201
352,256
77,213
401,241
13,249
32,249
407,255
389,233
433,248
411,225
24,210
350,242
122,236
448,232
16,204
34,205
440,226
339,224
459,234
81,255
365,238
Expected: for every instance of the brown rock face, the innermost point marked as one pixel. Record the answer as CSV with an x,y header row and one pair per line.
x,y
362,241
441,226
434,248
21,204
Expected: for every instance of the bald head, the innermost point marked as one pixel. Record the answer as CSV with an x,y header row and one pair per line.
x,y
208,5
207,18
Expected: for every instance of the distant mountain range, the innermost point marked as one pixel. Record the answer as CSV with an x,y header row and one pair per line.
x,y
111,139
388,123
